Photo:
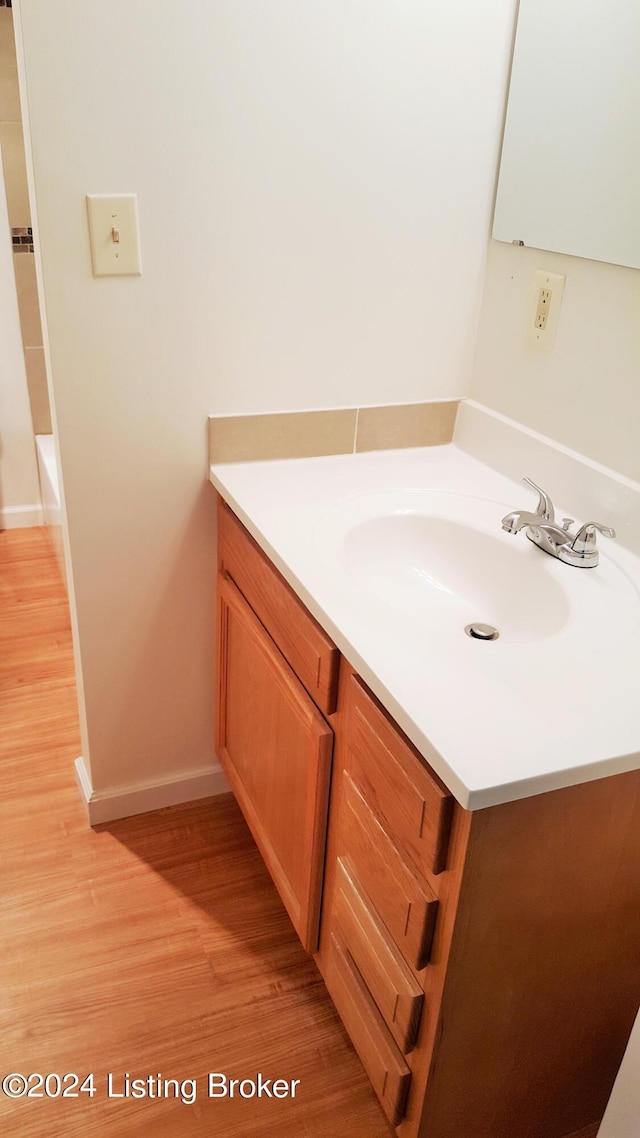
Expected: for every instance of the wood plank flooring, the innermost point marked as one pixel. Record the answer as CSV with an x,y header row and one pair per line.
x,y
155,945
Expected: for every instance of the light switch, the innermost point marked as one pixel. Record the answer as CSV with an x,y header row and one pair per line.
x,y
114,235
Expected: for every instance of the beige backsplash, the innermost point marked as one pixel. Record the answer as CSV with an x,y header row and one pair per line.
x,y
306,434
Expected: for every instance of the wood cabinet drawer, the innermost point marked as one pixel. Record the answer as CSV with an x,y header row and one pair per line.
x,y
379,1055
392,984
312,655
406,904
276,749
410,802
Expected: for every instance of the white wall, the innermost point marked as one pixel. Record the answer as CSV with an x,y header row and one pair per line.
x,y
19,488
586,394
315,181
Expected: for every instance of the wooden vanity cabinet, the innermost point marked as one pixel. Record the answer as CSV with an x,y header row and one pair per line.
x,y
513,1020
274,744
486,965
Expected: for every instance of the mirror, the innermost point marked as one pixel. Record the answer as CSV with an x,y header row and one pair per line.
x,y
570,168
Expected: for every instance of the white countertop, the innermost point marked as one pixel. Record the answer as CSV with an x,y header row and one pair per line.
x,y
497,721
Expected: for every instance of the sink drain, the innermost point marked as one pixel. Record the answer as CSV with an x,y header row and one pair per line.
x,y
482,632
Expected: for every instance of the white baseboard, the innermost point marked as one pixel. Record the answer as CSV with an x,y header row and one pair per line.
x,y
19,517
139,798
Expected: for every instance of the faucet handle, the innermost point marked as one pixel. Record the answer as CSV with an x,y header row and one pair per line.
x,y
545,505
585,539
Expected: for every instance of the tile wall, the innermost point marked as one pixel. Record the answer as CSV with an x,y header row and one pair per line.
x,y
305,434
15,178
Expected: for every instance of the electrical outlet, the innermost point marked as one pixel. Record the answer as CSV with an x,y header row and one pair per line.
x,y
544,308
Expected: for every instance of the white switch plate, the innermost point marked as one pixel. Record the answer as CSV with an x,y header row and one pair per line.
x,y
114,235
542,339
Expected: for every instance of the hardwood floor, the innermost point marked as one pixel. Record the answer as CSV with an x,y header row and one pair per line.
x,y
153,946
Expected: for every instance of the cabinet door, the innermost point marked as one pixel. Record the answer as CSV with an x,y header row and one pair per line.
x,y
275,748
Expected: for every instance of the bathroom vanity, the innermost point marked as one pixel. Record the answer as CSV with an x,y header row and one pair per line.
x,y
480,939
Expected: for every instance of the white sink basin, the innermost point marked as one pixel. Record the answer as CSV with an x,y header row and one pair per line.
x,y
442,561
395,569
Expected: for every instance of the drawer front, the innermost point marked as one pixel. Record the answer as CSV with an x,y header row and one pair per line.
x,y
398,995
381,1059
312,655
406,905
413,806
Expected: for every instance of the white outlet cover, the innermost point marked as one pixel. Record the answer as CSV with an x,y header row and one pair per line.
x,y
542,340
114,234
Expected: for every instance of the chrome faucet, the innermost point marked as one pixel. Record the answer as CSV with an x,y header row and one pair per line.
x,y
577,549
